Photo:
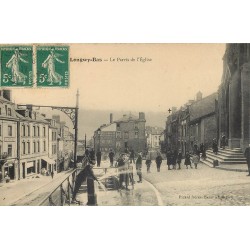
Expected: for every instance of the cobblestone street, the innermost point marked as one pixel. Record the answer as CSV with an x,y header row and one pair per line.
x,y
202,186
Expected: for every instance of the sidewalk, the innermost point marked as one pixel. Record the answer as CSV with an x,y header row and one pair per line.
x,y
13,191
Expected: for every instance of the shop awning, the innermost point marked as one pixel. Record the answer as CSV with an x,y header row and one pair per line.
x,y
47,159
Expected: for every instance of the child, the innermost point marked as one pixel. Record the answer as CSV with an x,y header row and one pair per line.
x,y
196,160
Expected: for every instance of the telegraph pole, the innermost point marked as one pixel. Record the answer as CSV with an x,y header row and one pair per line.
x,y
76,128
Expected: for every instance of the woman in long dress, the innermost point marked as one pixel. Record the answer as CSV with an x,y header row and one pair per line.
x,y
13,63
49,63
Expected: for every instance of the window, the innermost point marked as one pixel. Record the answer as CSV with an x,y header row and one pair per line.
x,y
0,130
34,147
23,130
9,130
44,132
9,111
38,146
136,125
118,134
125,135
136,134
23,147
38,131
118,125
44,146
10,150
34,131
28,147
28,129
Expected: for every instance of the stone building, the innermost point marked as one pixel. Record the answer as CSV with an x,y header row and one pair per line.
x,y
33,142
8,136
234,96
153,137
125,133
194,123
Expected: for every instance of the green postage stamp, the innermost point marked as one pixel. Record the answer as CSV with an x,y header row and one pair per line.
x,y
16,66
52,64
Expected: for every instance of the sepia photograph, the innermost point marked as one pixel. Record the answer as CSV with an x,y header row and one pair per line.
x,y
125,124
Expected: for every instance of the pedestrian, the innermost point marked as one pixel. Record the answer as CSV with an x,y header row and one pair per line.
x,y
81,177
195,160
174,158
158,161
1,176
111,157
179,158
132,156
195,150
215,146
138,165
98,158
187,160
52,174
247,155
92,155
169,159
148,163
223,141
122,168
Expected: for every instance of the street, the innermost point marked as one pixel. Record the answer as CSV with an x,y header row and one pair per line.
x,y
186,187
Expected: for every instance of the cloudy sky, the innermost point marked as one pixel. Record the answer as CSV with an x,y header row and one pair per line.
x,y
173,74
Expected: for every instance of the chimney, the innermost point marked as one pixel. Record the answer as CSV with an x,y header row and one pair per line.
x,y
111,118
198,96
141,115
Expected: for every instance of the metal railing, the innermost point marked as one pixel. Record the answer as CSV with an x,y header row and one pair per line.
x,y
61,195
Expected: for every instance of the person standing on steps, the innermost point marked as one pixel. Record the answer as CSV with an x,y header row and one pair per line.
x,y
138,165
247,155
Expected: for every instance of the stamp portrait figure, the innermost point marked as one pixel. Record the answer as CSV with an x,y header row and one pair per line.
x,y
49,63
13,64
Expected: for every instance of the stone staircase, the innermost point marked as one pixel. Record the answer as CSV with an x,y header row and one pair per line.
x,y
228,159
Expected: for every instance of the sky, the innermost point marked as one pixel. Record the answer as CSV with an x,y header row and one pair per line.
x,y
171,75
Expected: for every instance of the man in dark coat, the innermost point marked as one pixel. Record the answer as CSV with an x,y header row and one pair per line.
x,y
132,156
82,176
158,161
169,159
247,155
98,158
111,157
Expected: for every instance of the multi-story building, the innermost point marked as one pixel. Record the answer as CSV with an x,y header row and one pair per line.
x,y
8,136
125,133
194,123
153,137
33,141
52,145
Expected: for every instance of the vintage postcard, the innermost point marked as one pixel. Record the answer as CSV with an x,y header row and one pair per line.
x,y
124,124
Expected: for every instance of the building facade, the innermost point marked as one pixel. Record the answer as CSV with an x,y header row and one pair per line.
x,y
194,123
8,136
120,135
234,96
153,135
